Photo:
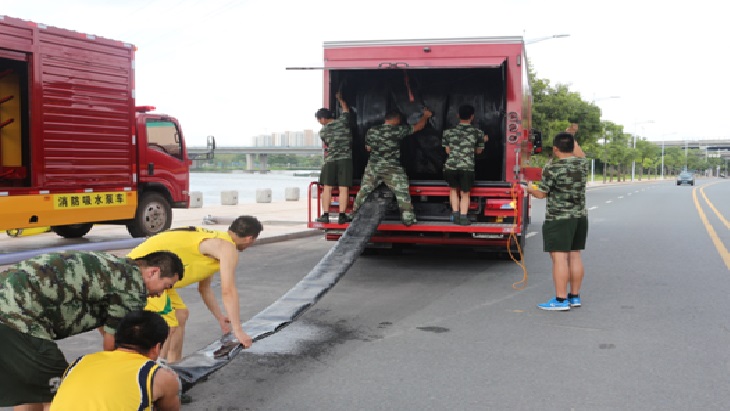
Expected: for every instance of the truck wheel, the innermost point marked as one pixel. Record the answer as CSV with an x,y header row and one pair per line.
x,y
154,215
72,230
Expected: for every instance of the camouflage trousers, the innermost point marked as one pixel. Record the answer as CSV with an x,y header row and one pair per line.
x,y
394,177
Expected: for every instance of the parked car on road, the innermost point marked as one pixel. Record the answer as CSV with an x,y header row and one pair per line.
x,y
685,177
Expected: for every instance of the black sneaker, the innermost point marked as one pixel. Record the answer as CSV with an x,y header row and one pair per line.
x,y
324,218
464,220
343,219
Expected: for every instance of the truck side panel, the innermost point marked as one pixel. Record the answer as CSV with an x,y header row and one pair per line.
x,y
84,92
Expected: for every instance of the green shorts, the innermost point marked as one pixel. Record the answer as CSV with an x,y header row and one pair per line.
x,y
31,368
337,173
565,235
461,179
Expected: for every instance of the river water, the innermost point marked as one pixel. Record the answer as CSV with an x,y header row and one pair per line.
x,y
212,184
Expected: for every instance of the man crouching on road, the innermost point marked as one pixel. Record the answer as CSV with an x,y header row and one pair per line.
x,y
203,252
565,228
127,378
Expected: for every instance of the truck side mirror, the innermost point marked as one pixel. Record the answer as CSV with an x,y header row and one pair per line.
x,y
536,141
211,143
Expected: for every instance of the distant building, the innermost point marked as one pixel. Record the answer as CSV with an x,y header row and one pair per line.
x,y
303,138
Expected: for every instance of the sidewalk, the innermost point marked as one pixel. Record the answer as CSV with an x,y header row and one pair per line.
x,y
282,220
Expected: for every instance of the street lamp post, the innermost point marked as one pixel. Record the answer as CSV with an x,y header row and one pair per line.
x,y
554,36
633,163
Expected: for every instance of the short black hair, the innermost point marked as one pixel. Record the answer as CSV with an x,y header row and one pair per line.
x,y
141,331
565,142
170,264
393,114
465,112
323,113
245,226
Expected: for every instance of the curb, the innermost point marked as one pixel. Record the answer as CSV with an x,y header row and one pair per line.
x,y
289,236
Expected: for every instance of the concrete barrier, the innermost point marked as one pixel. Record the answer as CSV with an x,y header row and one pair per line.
x,y
263,195
196,199
229,197
291,194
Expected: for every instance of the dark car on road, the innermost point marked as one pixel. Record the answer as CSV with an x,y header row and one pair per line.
x,y
685,177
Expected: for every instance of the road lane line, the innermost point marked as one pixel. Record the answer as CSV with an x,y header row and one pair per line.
x,y
712,206
711,231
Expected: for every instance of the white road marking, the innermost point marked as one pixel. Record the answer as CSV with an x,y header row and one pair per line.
x,y
593,208
609,202
531,234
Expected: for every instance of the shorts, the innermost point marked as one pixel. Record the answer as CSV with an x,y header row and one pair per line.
x,y
31,368
461,179
165,305
565,235
337,173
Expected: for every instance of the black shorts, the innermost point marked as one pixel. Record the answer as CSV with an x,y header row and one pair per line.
x,y
461,179
31,368
337,173
565,235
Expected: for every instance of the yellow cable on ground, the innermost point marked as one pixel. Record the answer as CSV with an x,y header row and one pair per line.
x,y
519,285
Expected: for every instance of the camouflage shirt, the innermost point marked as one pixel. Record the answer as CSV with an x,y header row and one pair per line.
x,y
462,140
565,182
384,141
58,295
338,138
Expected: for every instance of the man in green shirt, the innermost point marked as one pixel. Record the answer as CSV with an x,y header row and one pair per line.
x,y
565,228
383,144
57,295
461,143
337,167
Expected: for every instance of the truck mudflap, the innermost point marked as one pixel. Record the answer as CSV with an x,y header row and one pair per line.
x,y
291,305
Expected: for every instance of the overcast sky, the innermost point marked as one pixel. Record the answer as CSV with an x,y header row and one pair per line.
x,y
219,65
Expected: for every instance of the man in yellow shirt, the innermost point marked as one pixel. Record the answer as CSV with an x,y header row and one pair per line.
x,y
203,253
127,378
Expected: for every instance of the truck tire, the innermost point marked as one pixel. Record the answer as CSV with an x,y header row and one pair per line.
x,y
154,215
72,230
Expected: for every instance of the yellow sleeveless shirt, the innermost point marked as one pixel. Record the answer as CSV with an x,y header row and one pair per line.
x,y
185,243
107,381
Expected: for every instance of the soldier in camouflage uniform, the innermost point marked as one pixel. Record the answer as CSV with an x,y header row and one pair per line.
x,y
565,228
383,143
337,167
460,143
54,296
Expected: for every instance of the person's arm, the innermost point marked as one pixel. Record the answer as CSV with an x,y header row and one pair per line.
x,y
343,104
107,340
422,121
208,296
536,193
227,254
165,390
577,151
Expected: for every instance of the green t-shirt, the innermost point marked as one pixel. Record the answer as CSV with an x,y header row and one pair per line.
x,y
57,295
338,138
462,140
384,141
564,180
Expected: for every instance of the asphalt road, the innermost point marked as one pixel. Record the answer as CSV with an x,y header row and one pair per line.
x,y
439,330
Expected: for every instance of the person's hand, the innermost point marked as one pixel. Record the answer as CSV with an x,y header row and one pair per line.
x,y
243,338
427,113
225,324
486,138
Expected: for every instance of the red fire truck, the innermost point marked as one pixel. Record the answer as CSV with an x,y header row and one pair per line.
x,y
74,148
490,74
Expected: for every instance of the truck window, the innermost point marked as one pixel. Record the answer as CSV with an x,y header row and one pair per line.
x,y
164,136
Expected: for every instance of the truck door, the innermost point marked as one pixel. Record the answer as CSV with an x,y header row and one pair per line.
x,y
161,155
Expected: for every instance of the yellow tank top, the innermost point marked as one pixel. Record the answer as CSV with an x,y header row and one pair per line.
x,y
185,242
107,381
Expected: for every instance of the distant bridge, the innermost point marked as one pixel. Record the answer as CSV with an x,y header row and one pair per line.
x,y
259,150
257,158
713,148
